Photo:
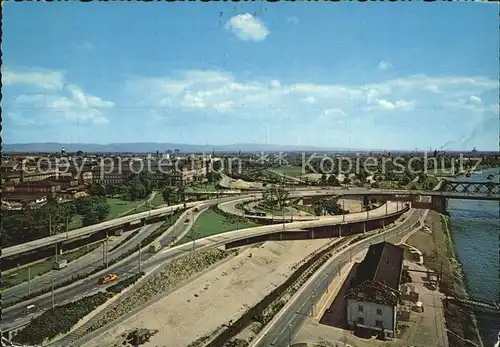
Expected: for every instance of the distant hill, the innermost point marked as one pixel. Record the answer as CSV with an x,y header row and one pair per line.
x,y
151,147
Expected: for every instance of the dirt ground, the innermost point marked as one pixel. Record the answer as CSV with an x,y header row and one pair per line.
x,y
351,205
438,252
423,329
217,297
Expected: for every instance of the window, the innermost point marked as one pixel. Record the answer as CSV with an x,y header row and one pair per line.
x,y
379,311
378,323
361,320
360,308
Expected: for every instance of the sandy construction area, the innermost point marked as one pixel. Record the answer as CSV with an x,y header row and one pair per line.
x,y
216,297
351,205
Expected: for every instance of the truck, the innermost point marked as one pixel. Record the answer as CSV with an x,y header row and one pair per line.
x,y
60,264
155,247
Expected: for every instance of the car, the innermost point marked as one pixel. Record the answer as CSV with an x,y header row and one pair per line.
x,y
108,278
30,309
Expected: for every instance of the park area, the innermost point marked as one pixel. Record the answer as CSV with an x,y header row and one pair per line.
x,y
212,222
293,171
119,208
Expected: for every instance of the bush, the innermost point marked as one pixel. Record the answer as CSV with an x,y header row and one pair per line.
x,y
146,241
118,287
59,320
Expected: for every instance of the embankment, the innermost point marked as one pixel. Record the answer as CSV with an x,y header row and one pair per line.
x,y
439,255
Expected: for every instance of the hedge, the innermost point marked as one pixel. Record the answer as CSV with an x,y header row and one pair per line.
x,y
118,287
61,319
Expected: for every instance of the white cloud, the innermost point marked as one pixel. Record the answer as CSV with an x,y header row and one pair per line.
x,y
275,84
309,99
476,99
399,104
247,28
222,92
54,98
41,79
432,88
19,120
292,20
383,65
332,113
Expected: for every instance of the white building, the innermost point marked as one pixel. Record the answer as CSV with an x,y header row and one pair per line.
x,y
374,292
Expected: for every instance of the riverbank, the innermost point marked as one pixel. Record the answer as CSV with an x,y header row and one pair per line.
x,y
439,255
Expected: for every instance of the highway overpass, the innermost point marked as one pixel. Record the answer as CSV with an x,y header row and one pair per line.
x,y
13,316
438,198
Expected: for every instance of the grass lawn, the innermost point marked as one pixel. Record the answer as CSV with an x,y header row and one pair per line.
x,y
20,276
75,222
210,187
158,200
273,211
119,207
212,223
442,172
293,171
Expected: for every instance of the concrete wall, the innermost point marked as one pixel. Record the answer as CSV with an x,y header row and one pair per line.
x,y
319,232
370,315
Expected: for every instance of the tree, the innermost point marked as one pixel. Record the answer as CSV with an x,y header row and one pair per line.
x,y
346,181
333,181
181,192
97,189
169,195
97,212
323,179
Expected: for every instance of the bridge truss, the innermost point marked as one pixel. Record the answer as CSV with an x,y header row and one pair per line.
x,y
489,188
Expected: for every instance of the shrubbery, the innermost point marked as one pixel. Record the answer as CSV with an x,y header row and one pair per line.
x,y
117,288
122,256
59,320
62,318
177,271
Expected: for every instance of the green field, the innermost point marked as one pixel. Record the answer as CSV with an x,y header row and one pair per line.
x,y
210,187
119,207
212,223
293,171
75,222
21,275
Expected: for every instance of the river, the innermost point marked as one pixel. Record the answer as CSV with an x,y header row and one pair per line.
x,y
476,233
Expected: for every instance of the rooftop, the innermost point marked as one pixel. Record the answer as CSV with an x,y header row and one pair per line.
x,y
379,275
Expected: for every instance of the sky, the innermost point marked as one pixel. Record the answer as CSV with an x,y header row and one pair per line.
x,y
373,76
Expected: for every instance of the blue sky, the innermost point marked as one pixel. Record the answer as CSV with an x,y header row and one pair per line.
x,y
385,75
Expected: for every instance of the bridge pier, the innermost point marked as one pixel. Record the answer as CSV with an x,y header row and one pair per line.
x,y
439,204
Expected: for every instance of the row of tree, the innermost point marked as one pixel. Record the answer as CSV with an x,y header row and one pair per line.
x,y
52,218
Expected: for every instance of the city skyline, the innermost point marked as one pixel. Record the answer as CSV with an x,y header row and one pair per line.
x,y
328,75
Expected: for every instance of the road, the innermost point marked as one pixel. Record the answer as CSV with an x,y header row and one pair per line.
x,y
75,268
230,206
288,322
13,316
85,231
